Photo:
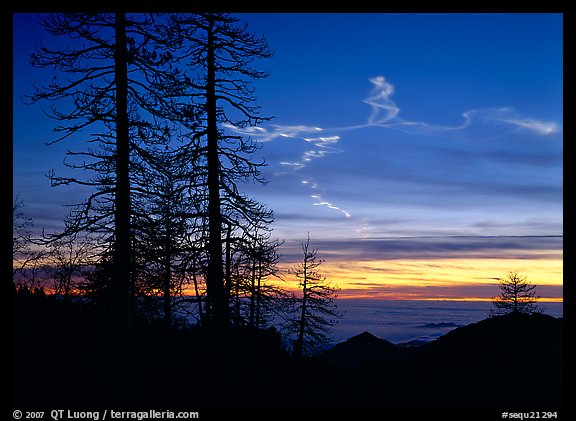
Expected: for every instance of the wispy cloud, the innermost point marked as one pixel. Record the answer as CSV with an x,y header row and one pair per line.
x,y
539,127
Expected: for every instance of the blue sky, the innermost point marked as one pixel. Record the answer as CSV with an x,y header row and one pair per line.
x,y
500,173
385,126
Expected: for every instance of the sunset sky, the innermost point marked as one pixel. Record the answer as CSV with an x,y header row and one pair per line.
x,y
422,152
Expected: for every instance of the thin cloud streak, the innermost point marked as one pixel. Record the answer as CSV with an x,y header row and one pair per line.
x,y
427,248
438,292
539,127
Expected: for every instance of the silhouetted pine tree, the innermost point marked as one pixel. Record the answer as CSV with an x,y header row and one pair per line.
x,y
155,88
100,83
21,241
517,295
162,232
70,257
218,54
314,310
254,301
27,257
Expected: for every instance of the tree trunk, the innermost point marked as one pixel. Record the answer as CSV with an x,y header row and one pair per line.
x,y
67,284
253,287
237,302
298,345
258,295
215,279
197,292
228,265
515,285
167,298
122,242
122,263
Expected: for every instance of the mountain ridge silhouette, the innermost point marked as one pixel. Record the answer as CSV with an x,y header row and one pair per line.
x,y
466,367
513,361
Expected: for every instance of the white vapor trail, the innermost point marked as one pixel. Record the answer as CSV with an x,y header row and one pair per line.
x,y
385,113
324,147
383,108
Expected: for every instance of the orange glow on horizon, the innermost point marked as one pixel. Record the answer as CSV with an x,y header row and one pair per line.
x,y
450,279
458,279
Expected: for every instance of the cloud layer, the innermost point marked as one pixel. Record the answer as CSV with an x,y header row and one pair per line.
x,y
430,248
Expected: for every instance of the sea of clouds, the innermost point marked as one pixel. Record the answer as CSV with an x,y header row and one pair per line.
x,y
401,321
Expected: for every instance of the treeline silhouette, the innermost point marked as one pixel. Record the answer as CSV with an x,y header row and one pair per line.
x,y
154,90
65,357
147,102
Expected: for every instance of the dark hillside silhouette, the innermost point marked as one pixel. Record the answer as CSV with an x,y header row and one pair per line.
x,y
360,350
513,360
507,331
62,358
